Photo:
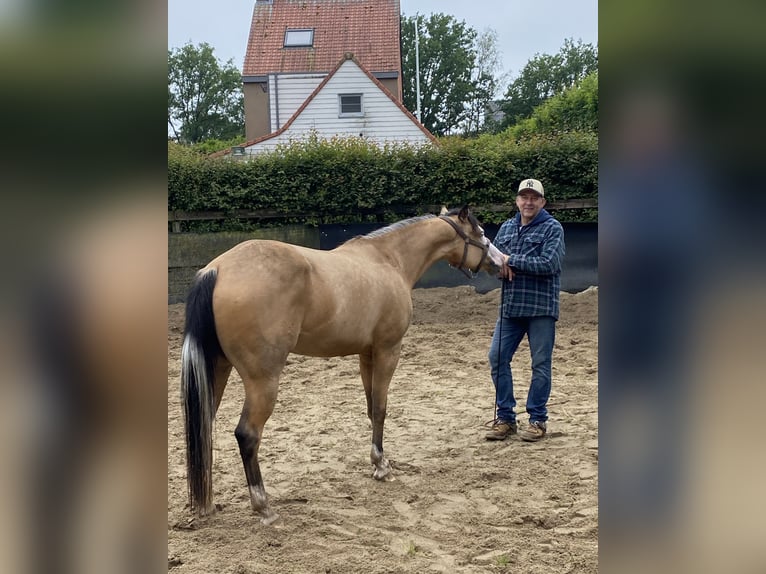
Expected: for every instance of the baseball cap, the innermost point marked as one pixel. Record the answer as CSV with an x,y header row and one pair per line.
x,y
532,184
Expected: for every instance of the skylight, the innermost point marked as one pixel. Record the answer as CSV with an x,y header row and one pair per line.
x,y
297,38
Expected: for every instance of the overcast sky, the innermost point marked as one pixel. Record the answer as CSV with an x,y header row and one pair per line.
x,y
524,27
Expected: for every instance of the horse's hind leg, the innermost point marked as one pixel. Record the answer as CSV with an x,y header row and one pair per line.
x,y
260,398
384,364
222,371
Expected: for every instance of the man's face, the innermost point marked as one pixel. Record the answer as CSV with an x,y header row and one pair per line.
x,y
529,203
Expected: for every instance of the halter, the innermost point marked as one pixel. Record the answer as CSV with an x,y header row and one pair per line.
x,y
468,241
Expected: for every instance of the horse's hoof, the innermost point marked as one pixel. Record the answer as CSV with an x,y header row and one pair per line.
x,y
270,519
208,512
385,475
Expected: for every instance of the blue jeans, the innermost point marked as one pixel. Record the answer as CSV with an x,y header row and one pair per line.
x,y
509,331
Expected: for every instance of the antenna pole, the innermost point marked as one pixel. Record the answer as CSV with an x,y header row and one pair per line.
x,y
417,69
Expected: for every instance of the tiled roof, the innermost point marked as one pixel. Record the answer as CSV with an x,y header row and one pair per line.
x,y
347,56
368,28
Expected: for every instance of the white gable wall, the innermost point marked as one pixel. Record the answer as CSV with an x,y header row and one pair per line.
x,y
293,89
383,120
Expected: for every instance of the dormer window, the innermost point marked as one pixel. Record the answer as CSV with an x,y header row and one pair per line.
x,y
299,38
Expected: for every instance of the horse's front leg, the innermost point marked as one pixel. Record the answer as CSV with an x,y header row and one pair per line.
x,y
384,363
365,369
382,469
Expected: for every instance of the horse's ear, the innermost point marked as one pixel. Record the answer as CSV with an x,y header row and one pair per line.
x,y
444,210
464,213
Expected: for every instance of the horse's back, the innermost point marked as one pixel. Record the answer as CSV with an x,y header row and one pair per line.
x,y
324,303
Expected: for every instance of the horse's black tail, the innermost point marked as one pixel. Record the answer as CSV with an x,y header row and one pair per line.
x,y
198,357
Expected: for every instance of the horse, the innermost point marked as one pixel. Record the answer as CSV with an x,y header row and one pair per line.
x,y
252,306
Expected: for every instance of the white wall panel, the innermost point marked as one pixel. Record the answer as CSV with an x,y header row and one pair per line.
x,y
383,120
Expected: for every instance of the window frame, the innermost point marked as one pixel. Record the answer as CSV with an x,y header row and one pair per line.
x,y
310,43
359,114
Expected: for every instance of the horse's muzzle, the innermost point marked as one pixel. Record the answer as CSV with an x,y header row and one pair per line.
x,y
494,260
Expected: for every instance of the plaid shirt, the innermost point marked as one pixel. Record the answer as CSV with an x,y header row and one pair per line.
x,y
535,254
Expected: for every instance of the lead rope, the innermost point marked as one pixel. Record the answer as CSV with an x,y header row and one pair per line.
x,y
499,336
499,340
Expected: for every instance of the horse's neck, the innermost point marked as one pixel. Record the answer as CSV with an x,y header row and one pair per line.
x,y
414,248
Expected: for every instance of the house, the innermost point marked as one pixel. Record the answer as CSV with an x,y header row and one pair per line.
x,y
348,102
325,67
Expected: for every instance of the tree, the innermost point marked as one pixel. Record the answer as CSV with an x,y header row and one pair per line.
x,y
545,76
204,97
447,59
483,76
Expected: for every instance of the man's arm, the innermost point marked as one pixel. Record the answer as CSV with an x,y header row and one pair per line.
x,y
503,243
549,260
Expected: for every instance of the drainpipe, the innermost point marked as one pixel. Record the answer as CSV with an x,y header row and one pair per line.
x,y
276,101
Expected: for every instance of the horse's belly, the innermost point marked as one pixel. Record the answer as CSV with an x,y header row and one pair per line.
x,y
330,345
348,322
312,349
337,339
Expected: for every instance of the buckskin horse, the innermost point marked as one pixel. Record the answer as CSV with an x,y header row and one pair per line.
x,y
255,304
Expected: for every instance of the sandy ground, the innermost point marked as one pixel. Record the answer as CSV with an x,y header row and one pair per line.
x,y
458,504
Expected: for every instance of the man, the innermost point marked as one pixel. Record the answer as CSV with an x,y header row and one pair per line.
x,y
533,242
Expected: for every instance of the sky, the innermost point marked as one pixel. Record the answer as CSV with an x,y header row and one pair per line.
x,y
524,27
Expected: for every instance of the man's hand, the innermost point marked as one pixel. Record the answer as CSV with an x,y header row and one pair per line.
x,y
505,271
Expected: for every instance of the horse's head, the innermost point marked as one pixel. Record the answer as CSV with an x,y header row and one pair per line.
x,y
474,251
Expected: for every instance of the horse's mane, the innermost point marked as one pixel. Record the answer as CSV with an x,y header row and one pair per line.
x,y
390,228
407,222
394,226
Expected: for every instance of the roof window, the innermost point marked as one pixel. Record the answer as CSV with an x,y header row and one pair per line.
x,y
299,37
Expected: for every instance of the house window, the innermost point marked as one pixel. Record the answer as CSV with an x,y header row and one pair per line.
x,y
350,106
299,38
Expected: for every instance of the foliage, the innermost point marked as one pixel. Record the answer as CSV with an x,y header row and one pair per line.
x,y
545,76
486,82
209,146
447,58
179,152
205,98
575,109
350,179
458,73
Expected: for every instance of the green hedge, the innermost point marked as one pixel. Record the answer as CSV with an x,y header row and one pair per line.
x,y
345,179
572,110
